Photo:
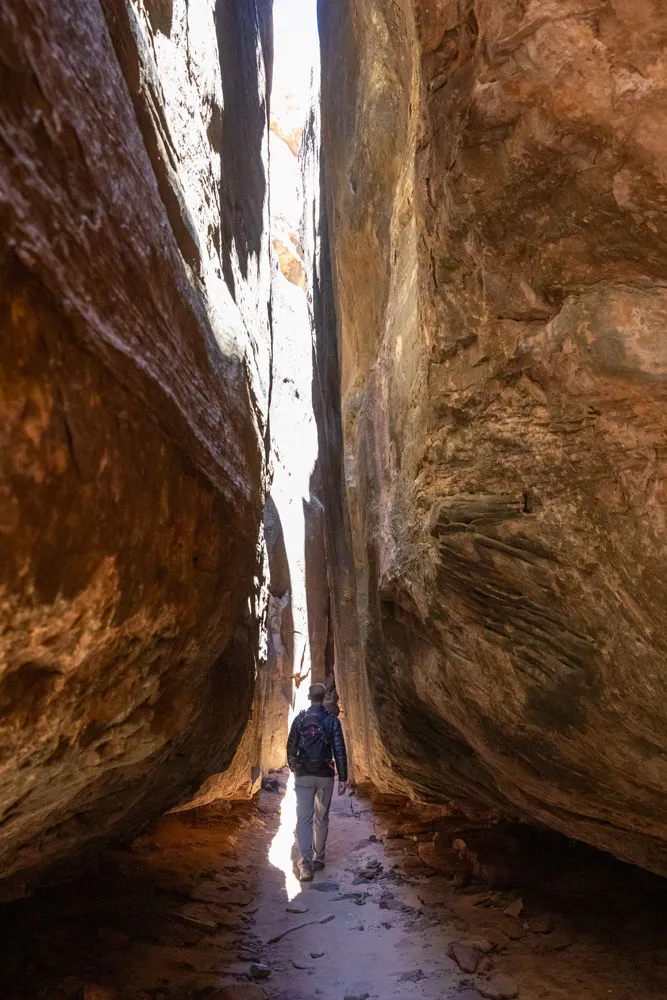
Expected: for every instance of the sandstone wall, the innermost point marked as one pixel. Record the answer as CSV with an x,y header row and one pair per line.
x,y
495,174
267,647
134,356
343,667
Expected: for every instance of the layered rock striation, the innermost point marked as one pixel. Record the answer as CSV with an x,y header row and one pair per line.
x,y
134,356
495,176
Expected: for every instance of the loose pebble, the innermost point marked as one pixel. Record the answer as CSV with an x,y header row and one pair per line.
x,y
259,971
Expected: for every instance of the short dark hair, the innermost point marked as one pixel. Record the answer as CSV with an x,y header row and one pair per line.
x,y
316,692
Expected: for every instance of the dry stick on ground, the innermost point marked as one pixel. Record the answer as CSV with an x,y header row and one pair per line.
x,y
297,927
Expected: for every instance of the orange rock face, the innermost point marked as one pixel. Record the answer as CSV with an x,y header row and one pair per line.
x,y
496,189
132,413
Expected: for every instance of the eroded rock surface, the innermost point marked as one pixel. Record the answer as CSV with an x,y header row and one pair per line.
x,y
496,192
134,349
270,650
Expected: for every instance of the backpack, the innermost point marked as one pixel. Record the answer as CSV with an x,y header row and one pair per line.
x,y
314,746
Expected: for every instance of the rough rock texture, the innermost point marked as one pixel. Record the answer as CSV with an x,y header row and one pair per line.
x,y
134,357
278,687
270,651
496,175
344,665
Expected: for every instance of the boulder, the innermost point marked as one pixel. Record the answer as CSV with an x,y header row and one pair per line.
x,y
495,182
134,365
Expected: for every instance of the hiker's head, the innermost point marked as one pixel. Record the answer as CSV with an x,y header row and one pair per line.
x,y
316,693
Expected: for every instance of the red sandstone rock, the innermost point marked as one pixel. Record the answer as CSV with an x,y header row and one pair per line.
x,y
132,415
466,956
496,178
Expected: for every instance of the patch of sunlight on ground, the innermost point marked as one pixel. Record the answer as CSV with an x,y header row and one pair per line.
x,y
280,851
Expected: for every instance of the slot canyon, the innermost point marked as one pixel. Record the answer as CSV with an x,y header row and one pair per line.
x,y
330,352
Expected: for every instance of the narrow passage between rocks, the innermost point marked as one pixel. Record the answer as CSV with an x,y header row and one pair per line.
x,y
332,351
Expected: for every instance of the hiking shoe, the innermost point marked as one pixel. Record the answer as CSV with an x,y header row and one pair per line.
x,y
318,866
305,872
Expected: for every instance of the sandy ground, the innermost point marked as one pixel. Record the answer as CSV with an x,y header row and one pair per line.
x,y
378,940
185,911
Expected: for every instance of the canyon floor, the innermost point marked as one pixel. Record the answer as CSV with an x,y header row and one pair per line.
x,y
184,912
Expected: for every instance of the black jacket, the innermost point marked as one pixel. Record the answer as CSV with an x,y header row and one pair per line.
x,y
331,726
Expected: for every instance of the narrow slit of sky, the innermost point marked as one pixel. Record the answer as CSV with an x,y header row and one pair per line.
x,y
296,45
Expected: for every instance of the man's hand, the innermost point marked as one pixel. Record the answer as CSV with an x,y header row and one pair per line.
x,y
342,785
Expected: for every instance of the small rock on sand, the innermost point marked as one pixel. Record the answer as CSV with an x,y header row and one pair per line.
x,y
513,929
303,966
496,939
389,902
259,971
515,909
293,908
356,996
413,976
316,954
466,956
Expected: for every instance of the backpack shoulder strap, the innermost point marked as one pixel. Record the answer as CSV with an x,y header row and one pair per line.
x,y
327,726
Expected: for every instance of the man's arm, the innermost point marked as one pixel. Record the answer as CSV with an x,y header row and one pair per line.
x,y
339,751
293,745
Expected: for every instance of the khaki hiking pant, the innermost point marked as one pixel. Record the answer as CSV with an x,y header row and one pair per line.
x,y
313,801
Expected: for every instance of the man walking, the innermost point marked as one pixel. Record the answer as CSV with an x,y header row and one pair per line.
x,y
315,741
